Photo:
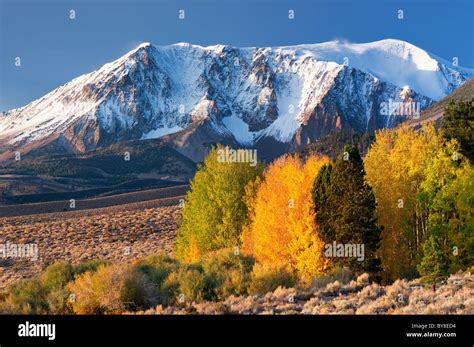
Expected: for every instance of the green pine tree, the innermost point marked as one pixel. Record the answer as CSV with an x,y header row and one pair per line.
x,y
434,262
349,210
458,123
320,193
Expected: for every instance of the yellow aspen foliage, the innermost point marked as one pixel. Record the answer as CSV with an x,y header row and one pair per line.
x,y
282,229
192,253
395,168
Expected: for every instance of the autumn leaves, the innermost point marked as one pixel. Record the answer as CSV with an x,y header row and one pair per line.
x,y
425,197
282,228
271,215
407,205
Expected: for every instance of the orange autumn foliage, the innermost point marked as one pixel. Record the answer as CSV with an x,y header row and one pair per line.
x,y
282,229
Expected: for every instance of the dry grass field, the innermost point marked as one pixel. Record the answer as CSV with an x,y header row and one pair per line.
x,y
454,296
124,233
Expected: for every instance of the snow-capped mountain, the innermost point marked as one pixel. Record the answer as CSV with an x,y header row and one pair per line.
x,y
273,96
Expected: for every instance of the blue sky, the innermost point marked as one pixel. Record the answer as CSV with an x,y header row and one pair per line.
x,y
54,49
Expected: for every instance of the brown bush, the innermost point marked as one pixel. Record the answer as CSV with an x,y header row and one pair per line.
x,y
111,289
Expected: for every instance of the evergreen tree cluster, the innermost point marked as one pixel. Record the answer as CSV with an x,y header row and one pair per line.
x,y
458,123
345,209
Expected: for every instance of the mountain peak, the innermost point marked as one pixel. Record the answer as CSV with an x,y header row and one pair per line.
x,y
182,44
248,94
143,45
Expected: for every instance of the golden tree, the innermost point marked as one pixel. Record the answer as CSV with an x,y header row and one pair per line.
x,y
282,229
395,169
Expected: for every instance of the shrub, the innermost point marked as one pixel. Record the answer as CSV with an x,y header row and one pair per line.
x,y
343,275
44,294
157,267
54,281
26,297
189,284
229,272
194,285
111,289
59,301
56,276
266,278
220,274
169,290
91,265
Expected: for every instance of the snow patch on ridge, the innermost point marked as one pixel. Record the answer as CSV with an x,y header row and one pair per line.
x,y
239,129
154,134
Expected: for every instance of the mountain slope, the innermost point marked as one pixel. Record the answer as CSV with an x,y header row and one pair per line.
x,y
435,112
278,97
119,168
